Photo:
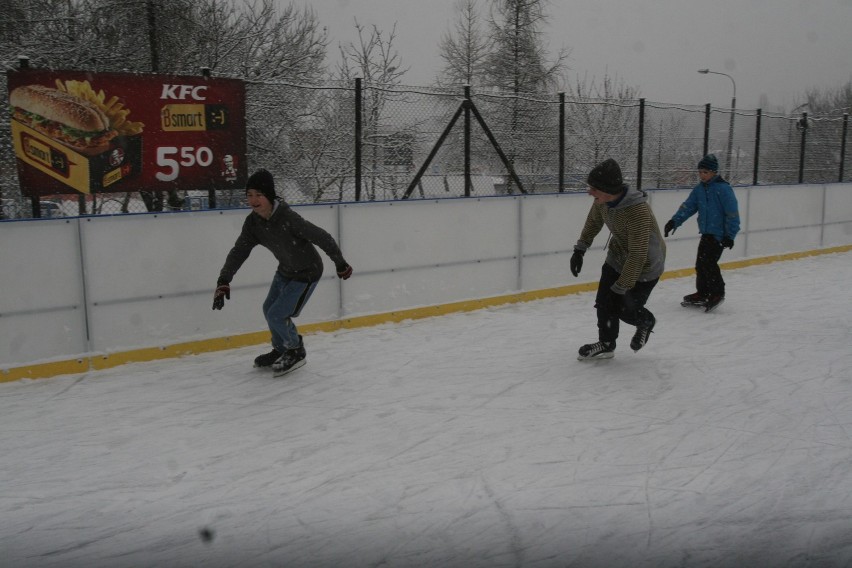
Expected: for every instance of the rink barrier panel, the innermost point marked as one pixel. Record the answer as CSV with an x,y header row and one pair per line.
x,y
107,361
416,265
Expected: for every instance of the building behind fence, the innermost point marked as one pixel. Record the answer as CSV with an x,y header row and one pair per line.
x,y
366,142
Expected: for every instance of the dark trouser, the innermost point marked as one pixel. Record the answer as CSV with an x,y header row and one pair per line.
x,y
708,277
631,309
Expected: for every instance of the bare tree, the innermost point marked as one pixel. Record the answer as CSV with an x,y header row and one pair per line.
x,y
603,121
375,59
254,40
519,65
519,60
823,131
465,50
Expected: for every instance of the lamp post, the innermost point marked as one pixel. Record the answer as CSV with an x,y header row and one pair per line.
x,y
733,113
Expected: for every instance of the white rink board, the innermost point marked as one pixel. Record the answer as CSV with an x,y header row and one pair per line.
x,y
41,291
104,284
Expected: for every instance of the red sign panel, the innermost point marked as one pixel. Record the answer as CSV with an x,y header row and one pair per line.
x,y
75,131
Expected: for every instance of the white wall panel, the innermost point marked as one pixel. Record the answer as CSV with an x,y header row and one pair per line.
x,y
378,293
551,271
665,203
149,278
409,234
779,241
41,291
837,234
838,203
785,206
552,223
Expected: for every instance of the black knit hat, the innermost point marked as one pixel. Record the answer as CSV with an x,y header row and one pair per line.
x,y
709,162
606,177
262,181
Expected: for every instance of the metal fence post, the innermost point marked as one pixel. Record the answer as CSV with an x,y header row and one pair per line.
x,y
561,142
843,134
641,143
706,129
211,192
756,147
804,128
358,139
467,182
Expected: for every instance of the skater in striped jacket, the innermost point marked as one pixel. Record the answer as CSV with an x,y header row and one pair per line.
x,y
635,259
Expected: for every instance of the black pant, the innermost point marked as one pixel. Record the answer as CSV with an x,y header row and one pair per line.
x,y
630,308
708,277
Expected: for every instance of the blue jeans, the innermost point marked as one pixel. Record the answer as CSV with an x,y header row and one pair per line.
x,y
285,301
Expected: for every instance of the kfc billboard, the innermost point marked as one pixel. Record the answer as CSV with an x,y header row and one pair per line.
x,y
75,131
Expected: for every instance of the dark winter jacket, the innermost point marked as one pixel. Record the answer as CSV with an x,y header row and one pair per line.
x,y
716,204
636,249
291,240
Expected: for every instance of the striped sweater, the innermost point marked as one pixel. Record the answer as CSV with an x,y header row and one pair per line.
x,y
636,248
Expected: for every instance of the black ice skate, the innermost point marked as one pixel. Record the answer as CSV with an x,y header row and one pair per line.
x,y
290,360
595,351
267,359
641,337
713,302
694,300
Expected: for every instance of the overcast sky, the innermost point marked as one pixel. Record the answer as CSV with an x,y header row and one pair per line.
x,y
773,48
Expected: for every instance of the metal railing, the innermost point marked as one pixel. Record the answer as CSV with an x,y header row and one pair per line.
x,y
367,142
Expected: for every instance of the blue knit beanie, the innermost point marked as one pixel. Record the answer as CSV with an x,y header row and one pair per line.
x,y
709,162
262,181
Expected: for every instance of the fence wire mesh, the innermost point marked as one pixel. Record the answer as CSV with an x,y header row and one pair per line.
x,y
313,141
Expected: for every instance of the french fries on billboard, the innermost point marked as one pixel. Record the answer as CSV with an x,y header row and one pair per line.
x,y
73,114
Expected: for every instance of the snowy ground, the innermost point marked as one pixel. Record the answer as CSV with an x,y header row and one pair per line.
x,y
468,440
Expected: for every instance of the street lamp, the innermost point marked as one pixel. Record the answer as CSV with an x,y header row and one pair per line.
x,y
733,113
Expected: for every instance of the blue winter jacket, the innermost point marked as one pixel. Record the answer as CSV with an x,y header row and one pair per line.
x,y
716,204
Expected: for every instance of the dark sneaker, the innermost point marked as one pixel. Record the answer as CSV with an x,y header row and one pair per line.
x,y
641,337
694,299
713,302
290,360
599,350
267,359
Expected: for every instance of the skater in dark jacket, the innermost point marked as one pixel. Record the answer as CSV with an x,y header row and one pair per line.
x,y
635,259
291,239
718,222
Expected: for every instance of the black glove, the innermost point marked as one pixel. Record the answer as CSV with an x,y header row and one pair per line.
x,y
670,228
222,293
344,272
727,243
577,261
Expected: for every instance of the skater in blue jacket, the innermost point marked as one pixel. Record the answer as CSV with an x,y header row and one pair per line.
x,y
718,222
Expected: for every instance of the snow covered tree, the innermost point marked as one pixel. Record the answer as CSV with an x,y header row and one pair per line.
x,y
519,60
518,65
375,59
465,50
824,131
602,122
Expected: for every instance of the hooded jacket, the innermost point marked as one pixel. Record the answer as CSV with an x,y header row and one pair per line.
x,y
636,249
291,240
716,204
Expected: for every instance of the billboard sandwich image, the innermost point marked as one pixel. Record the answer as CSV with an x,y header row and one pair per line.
x,y
74,134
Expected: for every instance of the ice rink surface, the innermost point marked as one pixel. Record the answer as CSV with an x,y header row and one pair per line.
x,y
469,440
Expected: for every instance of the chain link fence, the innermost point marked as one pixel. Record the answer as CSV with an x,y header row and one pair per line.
x,y
348,142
